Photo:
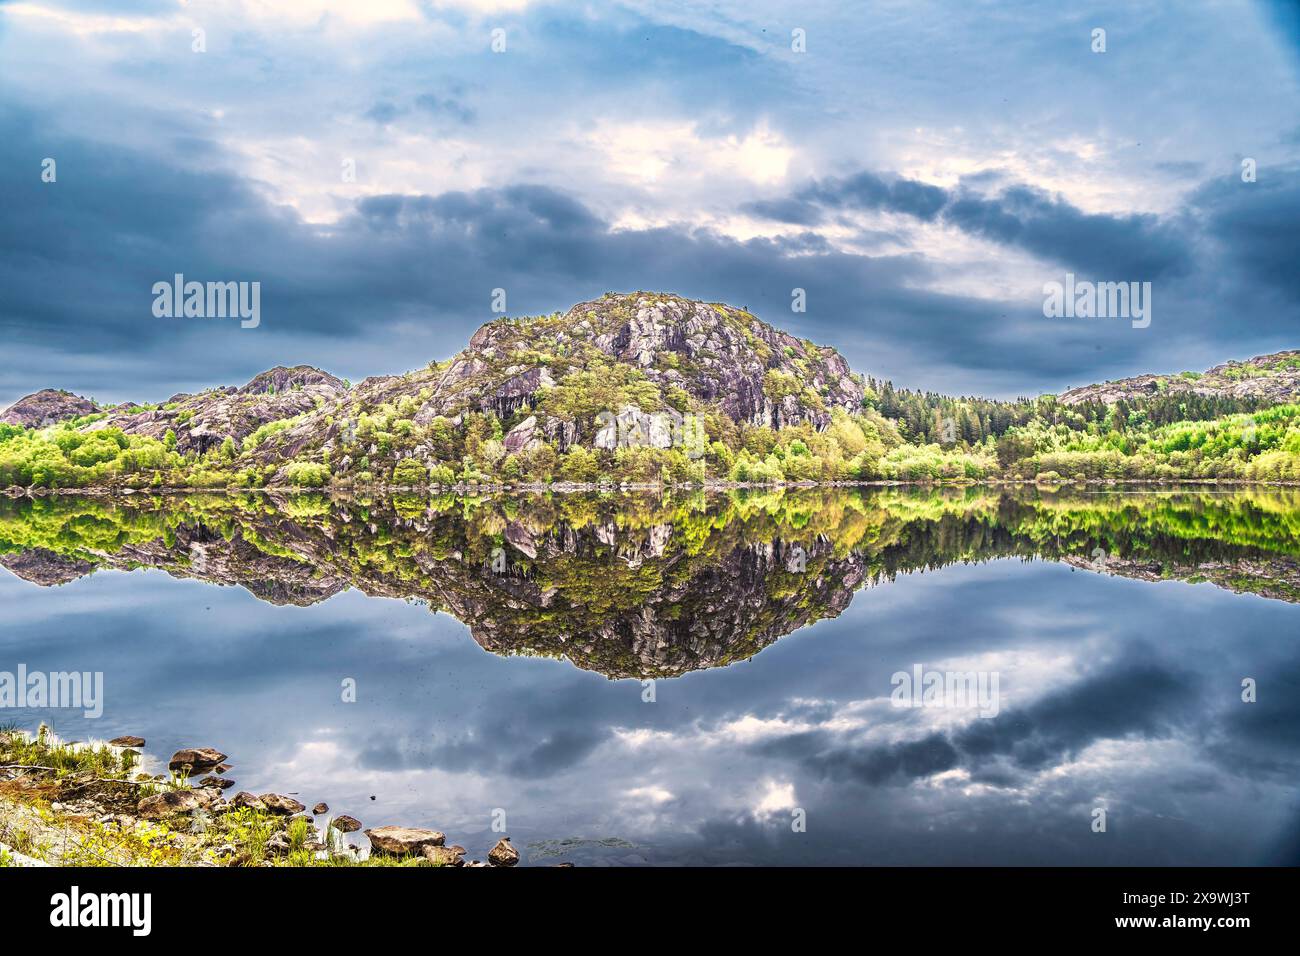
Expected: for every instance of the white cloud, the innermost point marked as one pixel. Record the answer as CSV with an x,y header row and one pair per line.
x,y
654,795
303,12
80,22
774,798
666,153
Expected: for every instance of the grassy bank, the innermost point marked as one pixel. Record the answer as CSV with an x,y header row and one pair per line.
x,y
92,804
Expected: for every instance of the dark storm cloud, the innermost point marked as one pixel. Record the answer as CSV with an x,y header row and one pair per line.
x,y
1019,216
905,761
798,212
81,254
867,190
1261,738
1257,225
1130,698
516,755
1100,245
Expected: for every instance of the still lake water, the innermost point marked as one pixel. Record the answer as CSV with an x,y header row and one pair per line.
x,y
499,648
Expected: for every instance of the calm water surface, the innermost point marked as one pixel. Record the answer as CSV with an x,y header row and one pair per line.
x,y
500,648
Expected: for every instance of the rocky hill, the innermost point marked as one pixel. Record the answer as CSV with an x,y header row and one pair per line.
x,y
1269,379
639,356
643,599
204,421
47,407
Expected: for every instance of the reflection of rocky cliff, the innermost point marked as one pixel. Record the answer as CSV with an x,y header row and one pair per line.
x,y
1275,577
703,616
46,568
194,552
627,599
638,587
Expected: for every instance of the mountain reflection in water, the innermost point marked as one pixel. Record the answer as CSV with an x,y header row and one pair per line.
x,y
1121,634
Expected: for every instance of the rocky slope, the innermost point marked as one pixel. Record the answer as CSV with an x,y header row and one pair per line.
x,y
638,356
1270,379
204,421
617,363
47,407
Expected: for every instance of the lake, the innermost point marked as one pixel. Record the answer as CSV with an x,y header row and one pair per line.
x,y
824,676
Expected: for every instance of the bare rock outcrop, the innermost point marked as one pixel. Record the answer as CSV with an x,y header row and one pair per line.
x,y
49,406
1265,379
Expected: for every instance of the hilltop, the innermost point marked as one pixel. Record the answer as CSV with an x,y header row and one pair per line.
x,y
46,407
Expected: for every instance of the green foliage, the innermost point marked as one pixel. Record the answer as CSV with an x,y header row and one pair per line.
x,y
602,387
66,458
267,430
409,471
306,473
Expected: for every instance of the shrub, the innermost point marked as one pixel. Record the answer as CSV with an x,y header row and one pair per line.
x,y
306,473
410,471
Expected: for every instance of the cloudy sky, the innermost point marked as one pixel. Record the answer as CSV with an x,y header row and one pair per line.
x,y
920,170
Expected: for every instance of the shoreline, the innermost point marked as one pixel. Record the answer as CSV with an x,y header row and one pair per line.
x,y
564,488
93,803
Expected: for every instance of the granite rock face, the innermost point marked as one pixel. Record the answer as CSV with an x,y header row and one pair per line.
x,y
204,421
712,352
1268,379
713,355
49,406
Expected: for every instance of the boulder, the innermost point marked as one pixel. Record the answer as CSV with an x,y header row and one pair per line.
x,y
277,844
173,802
127,741
195,758
345,824
503,854
320,808
246,799
444,855
217,782
279,803
398,841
